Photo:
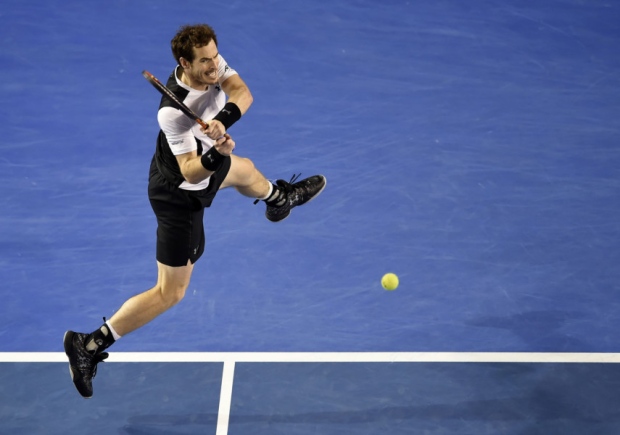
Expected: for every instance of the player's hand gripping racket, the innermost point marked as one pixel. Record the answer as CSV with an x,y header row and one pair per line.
x,y
173,98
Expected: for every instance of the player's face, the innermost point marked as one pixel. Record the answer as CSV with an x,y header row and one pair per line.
x,y
203,69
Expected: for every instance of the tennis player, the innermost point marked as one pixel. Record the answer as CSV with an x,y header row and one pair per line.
x,y
189,166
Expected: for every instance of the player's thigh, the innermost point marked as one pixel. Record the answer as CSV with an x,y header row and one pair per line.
x,y
241,172
174,280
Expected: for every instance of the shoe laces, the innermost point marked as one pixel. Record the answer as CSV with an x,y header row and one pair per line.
x,y
294,178
288,185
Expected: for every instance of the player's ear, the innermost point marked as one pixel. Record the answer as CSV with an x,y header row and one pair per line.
x,y
184,63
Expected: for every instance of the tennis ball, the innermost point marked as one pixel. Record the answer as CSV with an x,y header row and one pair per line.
x,y
389,281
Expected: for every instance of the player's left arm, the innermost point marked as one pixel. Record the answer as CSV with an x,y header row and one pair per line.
x,y
238,93
239,101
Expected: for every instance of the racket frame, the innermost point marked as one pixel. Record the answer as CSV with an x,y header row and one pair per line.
x,y
178,104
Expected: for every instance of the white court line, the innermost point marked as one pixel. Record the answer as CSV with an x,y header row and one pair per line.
x,y
223,415
326,357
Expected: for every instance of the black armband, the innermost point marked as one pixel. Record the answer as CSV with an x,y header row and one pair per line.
x,y
212,160
228,115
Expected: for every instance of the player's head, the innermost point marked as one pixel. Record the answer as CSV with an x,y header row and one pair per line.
x,y
195,49
190,37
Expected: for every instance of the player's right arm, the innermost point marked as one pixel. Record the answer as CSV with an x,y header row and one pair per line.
x,y
178,130
196,168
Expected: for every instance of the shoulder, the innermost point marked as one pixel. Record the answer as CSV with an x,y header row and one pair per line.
x,y
224,70
176,89
171,119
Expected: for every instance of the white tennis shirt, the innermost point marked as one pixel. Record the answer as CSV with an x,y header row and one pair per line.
x,y
182,133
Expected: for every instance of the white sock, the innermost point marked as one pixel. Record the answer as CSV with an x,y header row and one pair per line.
x,y
269,194
114,333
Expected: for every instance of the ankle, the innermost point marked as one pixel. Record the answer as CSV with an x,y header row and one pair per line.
x,y
277,198
100,339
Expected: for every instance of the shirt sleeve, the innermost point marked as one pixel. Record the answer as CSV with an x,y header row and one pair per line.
x,y
178,130
224,70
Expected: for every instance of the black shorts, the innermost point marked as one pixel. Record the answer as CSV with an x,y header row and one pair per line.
x,y
179,212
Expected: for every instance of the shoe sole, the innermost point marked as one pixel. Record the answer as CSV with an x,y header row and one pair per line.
x,y
68,345
310,200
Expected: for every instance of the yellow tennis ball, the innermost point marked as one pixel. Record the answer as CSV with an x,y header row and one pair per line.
x,y
389,281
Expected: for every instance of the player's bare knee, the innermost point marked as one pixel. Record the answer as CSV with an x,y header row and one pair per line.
x,y
249,170
248,173
173,293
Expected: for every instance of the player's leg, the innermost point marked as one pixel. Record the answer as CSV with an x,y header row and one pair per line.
x,y
280,197
144,307
180,243
85,351
246,178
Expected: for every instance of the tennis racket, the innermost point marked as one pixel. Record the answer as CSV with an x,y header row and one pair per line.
x,y
173,98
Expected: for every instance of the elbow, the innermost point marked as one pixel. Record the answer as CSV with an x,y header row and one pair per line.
x,y
247,100
191,169
193,178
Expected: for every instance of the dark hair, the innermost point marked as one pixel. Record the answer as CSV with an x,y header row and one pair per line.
x,y
190,36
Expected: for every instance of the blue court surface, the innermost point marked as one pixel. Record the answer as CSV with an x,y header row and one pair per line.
x,y
472,148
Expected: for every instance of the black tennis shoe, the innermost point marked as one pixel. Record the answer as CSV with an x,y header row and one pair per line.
x,y
295,194
82,363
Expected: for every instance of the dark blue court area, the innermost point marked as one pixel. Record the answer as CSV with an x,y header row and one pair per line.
x,y
470,147
311,398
